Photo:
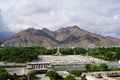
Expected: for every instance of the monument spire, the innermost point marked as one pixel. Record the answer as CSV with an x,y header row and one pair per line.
x,y
58,51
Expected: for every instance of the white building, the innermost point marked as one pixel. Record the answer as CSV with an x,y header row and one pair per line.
x,y
39,65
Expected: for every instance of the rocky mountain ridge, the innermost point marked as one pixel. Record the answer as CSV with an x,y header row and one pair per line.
x,y
68,36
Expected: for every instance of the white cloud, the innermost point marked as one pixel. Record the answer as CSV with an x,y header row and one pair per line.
x,y
99,16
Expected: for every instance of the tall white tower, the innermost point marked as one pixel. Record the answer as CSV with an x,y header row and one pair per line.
x,y
58,51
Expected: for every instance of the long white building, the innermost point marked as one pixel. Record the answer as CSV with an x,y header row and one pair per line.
x,y
38,65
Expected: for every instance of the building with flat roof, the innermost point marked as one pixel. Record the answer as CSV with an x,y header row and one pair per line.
x,y
106,75
38,65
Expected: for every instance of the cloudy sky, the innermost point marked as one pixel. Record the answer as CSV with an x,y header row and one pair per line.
x,y
98,16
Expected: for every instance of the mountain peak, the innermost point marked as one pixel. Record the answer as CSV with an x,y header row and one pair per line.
x,y
75,26
70,29
30,29
45,29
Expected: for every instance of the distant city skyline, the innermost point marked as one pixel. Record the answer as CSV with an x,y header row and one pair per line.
x,y
97,16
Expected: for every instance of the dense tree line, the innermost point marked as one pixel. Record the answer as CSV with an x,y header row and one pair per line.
x,y
24,54
19,54
93,67
109,54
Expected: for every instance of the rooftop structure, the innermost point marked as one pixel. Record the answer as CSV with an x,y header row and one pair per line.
x,y
107,75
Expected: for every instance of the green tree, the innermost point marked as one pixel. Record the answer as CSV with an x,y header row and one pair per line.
x,y
109,56
94,68
53,75
76,72
103,67
70,77
2,70
31,73
87,66
4,75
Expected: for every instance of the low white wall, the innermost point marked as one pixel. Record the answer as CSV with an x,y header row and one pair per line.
x,y
89,77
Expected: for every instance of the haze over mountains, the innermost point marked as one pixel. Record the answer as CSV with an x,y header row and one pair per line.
x,y
69,36
5,35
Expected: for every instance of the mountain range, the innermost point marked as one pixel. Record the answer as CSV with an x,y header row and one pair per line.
x,y
68,36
